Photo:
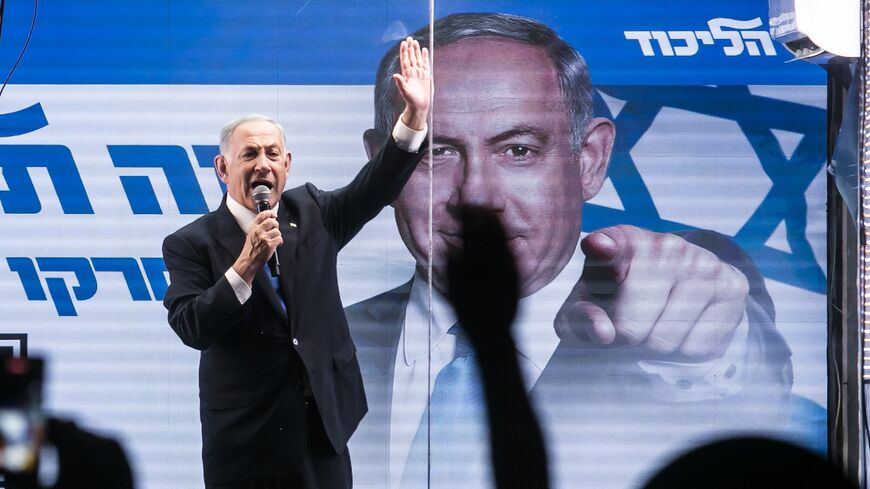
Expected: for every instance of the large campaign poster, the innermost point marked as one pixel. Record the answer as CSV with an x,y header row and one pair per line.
x,y
707,142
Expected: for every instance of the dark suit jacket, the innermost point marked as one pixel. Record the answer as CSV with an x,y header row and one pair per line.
x,y
254,356
595,400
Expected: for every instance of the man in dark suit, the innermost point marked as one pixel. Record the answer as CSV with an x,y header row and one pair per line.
x,y
280,387
662,330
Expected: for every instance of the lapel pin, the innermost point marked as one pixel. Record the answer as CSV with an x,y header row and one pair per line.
x,y
292,224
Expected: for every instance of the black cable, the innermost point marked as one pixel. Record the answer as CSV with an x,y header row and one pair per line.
x,y
2,9
24,48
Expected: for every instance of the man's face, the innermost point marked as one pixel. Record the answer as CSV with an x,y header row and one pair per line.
x,y
256,156
501,141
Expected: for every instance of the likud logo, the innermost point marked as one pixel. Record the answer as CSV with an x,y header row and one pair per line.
x,y
734,37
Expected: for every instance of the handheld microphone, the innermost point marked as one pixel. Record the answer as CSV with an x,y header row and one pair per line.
x,y
261,197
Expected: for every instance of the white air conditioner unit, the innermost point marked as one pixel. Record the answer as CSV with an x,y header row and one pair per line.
x,y
817,31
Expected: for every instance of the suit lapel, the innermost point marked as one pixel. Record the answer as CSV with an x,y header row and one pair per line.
x,y
388,314
230,235
387,318
288,224
376,325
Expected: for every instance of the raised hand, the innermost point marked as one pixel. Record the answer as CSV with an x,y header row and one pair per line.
x,y
656,291
483,281
414,83
484,288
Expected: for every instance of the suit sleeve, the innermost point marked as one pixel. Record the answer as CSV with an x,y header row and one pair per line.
x,y
769,355
378,184
200,308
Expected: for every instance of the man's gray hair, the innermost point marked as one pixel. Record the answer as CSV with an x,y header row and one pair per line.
x,y
230,127
570,67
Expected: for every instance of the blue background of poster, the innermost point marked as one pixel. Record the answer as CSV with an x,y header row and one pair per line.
x,y
337,43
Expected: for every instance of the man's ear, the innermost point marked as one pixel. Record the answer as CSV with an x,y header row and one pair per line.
x,y
595,155
289,164
372,140
220,166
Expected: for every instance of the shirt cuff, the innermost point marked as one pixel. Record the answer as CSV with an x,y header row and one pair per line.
x,y
714,379
240,287
408,139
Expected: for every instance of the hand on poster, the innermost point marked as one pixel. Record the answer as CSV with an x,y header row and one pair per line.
x,y
414,83
656,291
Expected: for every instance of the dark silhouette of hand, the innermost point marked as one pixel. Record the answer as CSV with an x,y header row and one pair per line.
x,y
482,277
483,287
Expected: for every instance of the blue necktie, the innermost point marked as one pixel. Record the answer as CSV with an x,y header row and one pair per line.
x,y
454,426
276,285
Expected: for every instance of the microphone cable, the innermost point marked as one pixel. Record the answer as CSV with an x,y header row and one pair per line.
x,y
24,48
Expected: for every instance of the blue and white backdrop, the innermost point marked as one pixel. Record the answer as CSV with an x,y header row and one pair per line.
x,y
109,127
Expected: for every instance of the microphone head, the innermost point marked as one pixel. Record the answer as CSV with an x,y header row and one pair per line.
x,y
261,194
